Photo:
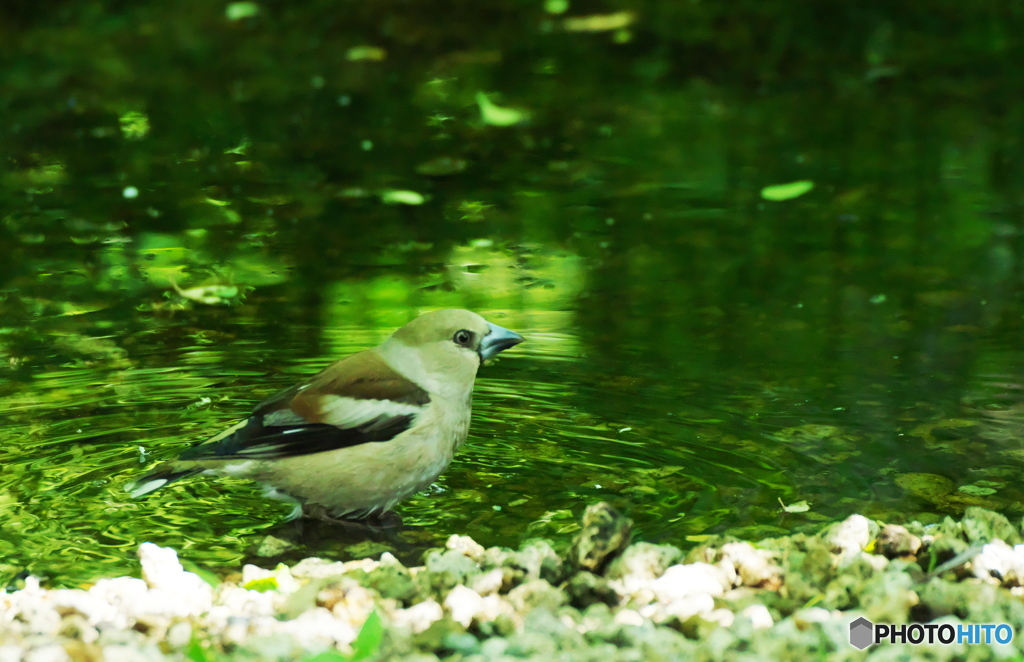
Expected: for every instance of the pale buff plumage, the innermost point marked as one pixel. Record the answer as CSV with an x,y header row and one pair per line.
x,y
367,431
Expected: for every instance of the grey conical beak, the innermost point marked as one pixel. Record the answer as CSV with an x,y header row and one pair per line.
x,y
497,339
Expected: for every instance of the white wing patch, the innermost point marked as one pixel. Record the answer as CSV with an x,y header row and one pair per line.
x,y
352,413
237,468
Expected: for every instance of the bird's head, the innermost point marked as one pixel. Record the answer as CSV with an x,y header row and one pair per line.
x,y
442,350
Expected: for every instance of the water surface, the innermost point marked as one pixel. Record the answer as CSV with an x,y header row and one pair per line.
x,y
199,210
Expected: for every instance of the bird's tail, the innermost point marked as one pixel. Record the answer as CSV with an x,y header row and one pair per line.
x,y
154,480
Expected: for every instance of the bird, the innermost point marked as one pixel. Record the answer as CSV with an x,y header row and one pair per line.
x,y
364,433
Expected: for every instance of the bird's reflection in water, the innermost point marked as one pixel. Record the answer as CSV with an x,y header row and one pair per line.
x,y
342,540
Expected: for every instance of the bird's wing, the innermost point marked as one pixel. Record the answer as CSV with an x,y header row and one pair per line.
x,y
357,400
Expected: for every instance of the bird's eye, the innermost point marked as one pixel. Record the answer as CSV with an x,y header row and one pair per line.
x,y
463,338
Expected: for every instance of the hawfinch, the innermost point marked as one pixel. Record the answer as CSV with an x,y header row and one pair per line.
x,y
364,433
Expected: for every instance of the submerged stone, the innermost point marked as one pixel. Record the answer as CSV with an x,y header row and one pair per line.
x,y
604,534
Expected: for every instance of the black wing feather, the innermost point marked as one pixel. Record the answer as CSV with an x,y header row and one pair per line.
x,y
256,441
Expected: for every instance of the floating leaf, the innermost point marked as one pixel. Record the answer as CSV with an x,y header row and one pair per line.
x,y
401,197
496,115
371,53
701,538
556,6
976,490
134,125
236,11
599,22
797,507
442,165
781,192
211,295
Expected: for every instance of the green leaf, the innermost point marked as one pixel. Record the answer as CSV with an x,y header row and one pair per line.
x,y
195,653
263,584
496,115
207,576
368,640
781,192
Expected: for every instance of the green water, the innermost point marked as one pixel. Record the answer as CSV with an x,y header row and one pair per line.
x,y
197,211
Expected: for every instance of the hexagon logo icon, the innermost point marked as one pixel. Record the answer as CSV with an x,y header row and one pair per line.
x,y
862,633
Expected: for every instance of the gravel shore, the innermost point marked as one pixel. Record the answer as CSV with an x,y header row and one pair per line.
x,y
605,599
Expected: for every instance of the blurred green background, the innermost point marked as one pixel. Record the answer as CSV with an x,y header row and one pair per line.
x,y
202,202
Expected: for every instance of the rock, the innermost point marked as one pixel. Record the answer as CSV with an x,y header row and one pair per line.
x,y
681,581
280,579
463,604
420,616
48,653
393,580
439,632
488,582
467,546
887,597
271,546
644,561
1000,564
498,612
895,541
945,547
494,648
317,629
116,653
665,645
603,534
314,568
543,634
680,609
964,599
92,607
535,559
753,567
536,594
981,525
160,566
849,537
729,603
462,643
347,600
179,635
629,617
447,569
759,616
586,588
